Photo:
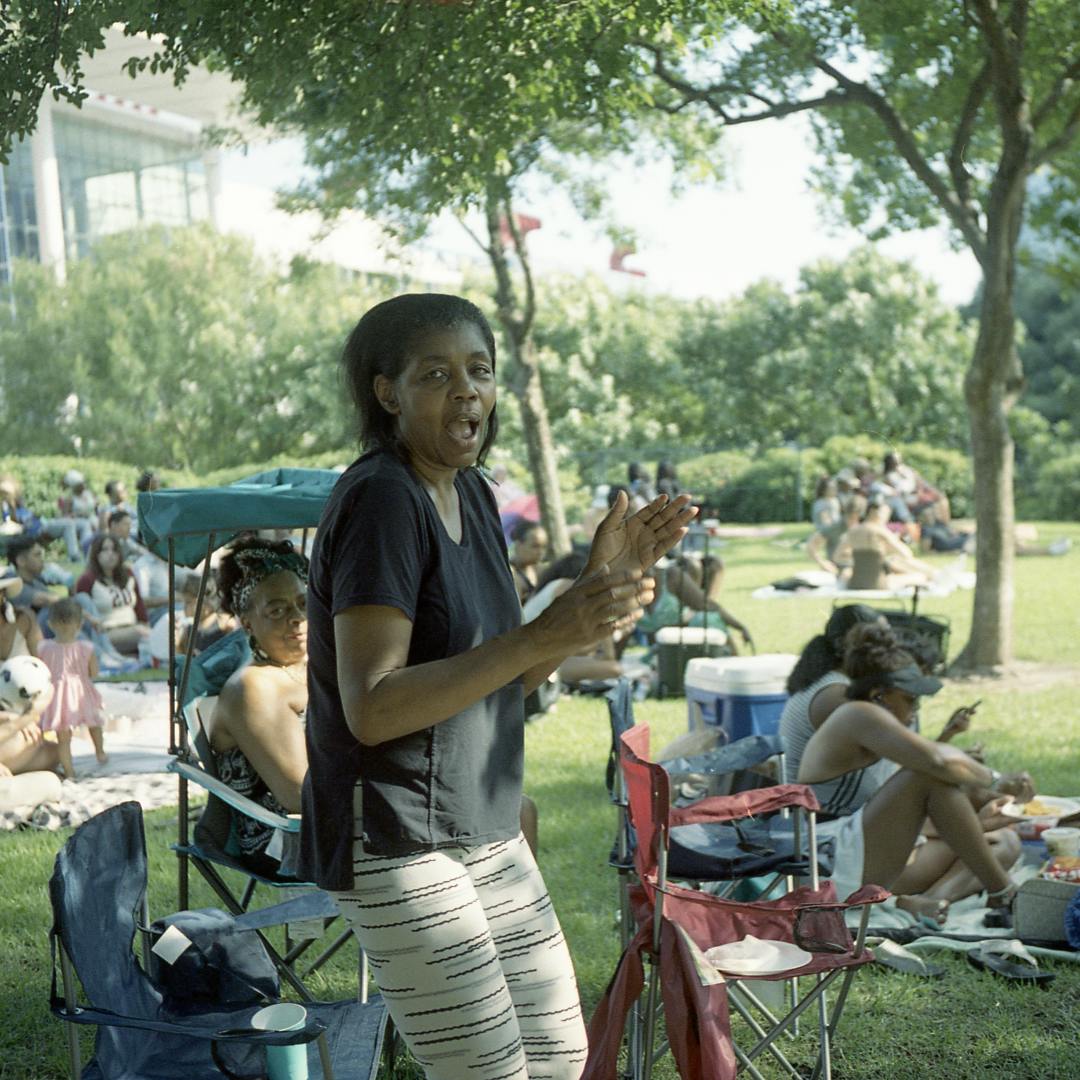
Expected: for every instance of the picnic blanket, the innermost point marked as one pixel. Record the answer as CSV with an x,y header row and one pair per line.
x,y
820,583
136,741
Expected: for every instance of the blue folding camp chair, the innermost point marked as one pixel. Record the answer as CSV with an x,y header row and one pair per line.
x,y
98,890
187,527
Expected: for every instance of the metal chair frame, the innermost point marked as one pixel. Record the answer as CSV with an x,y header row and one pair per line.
x,y
643,1050
194,764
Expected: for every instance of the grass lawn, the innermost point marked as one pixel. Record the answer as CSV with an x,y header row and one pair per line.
x,y
967,1026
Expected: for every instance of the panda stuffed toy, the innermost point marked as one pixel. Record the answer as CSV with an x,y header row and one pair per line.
x,y
23,680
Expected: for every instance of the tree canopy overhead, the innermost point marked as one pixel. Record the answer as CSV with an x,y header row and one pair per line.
x,y
923,112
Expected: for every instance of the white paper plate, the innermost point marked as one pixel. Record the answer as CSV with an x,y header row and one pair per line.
x,y
1059,808
753,956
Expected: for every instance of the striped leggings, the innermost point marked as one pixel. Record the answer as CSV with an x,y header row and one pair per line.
x,y
469,957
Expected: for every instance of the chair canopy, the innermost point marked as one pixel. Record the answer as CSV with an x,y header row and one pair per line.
x,y
275,499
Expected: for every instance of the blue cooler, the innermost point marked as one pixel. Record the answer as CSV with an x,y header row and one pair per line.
x,y
742,695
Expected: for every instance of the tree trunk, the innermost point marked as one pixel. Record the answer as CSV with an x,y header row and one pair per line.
x,y
990,643
522,375
525,384
991,387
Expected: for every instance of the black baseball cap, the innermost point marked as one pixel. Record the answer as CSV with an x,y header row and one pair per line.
x,y
909,679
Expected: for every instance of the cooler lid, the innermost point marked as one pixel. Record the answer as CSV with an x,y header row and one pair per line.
x,y
690,635
745,675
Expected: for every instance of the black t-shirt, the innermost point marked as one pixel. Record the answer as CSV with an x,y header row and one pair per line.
x,y
382,542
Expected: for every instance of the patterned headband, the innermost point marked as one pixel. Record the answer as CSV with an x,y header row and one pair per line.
x,y
257,564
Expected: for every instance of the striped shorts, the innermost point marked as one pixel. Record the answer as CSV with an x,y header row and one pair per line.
x,y
468,955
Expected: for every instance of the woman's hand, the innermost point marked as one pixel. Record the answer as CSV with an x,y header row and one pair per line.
x,y
636,542
958,723
1017,785
590,610
991,817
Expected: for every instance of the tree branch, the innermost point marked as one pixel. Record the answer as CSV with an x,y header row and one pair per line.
x,y
1053,96
960,214
1006,46
1059,142
529,314
969,114
713,96
475,239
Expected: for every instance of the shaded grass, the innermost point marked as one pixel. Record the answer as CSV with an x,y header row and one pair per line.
x,y
968,1026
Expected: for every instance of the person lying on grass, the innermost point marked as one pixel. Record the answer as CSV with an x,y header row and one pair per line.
x,y
879,781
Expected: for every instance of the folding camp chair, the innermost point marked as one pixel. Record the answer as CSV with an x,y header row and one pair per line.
x,y
719,853
676,926
98,889
212,848
187,527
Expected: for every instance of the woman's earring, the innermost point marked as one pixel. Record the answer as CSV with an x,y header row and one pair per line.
x,y
258,653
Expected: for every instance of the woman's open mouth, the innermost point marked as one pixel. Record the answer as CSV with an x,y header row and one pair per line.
x,y
464,430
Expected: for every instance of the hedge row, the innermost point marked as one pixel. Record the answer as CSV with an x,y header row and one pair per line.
x,y
42,476
737,487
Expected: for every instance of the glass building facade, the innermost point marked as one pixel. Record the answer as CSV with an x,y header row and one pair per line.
x,y
111,178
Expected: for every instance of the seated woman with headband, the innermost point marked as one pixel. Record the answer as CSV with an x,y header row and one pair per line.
x,y
256,730
879,781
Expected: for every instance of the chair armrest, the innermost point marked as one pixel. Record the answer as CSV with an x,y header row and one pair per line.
x,y
194,1026
314,904
742,754
868,894
745,804
233,798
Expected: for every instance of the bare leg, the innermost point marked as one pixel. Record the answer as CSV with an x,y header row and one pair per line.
x,y
939,874
26,751
893,818
125,639
63,738
97,735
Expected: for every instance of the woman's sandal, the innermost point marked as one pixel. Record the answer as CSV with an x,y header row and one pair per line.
x,y
999,915
891,955
1009,960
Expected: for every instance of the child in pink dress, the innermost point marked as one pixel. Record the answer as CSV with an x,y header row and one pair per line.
x,y
76,700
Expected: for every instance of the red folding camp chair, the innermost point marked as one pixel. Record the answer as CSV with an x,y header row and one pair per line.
x,y
676,927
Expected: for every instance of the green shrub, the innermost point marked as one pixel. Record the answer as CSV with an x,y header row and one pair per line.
x,y
1056,490
772,488
41,477
704,476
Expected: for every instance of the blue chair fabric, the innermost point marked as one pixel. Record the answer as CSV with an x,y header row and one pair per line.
x,y
97,891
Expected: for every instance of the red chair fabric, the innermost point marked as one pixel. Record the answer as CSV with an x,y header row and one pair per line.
x,y
696,1012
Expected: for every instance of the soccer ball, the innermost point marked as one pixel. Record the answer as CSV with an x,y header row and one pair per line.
x,y
23,679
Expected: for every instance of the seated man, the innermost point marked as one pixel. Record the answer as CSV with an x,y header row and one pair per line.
x,y
119,528
17,519
117,494
78,504
27,556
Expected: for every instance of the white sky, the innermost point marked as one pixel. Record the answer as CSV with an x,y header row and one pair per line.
x,y
714,241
